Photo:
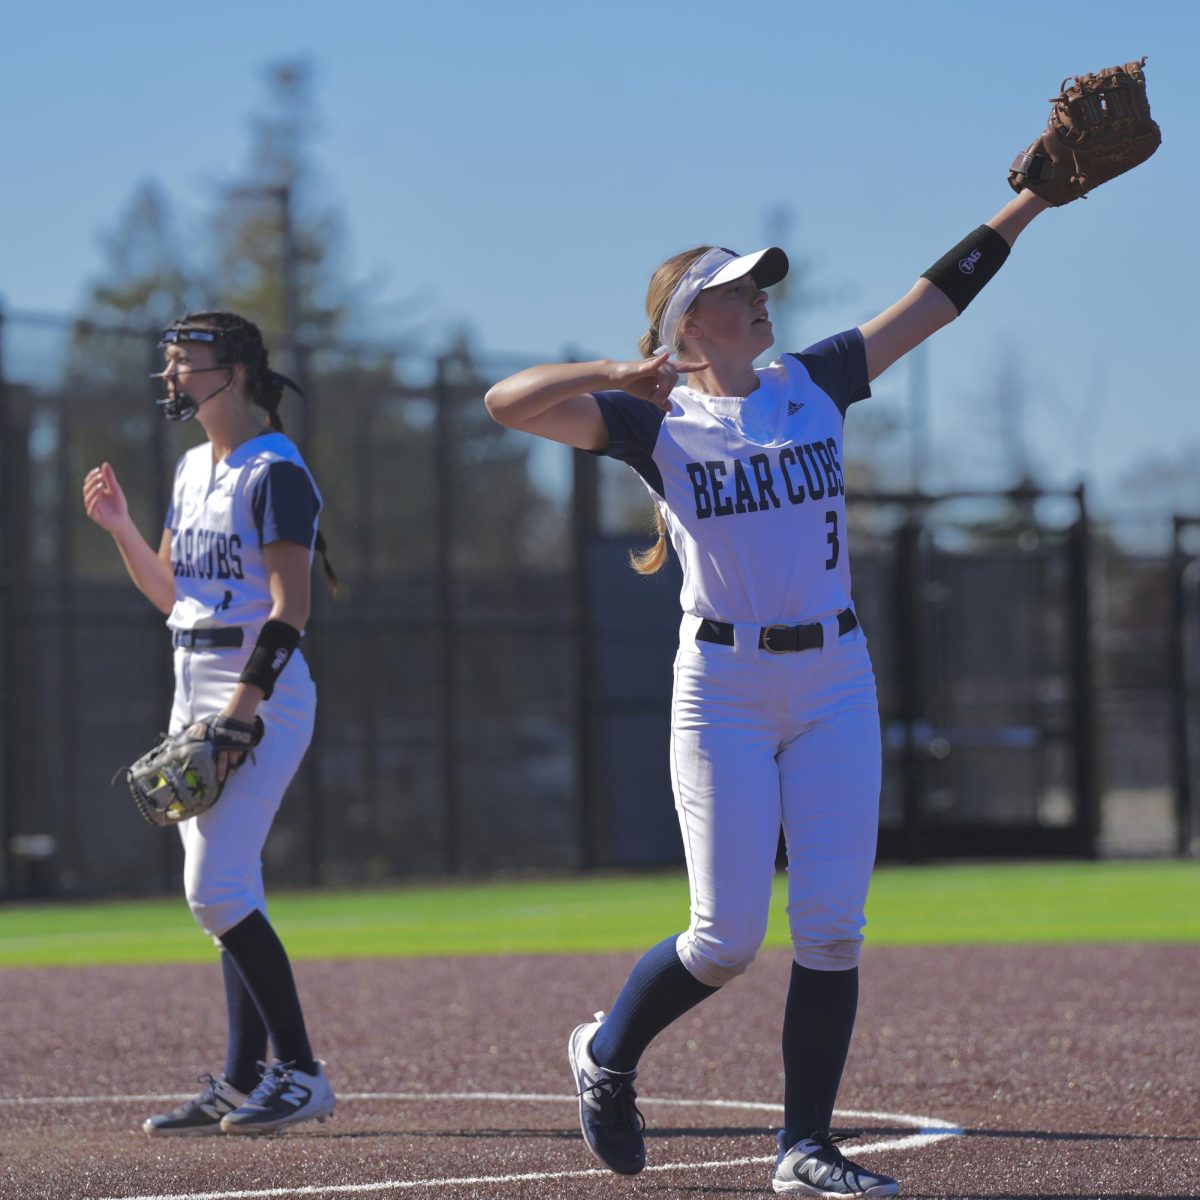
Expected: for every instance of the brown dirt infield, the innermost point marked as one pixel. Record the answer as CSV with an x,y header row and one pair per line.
x,y
1071,1072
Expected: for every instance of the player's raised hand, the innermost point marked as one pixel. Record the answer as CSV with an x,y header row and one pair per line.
x,y
103,499
652,379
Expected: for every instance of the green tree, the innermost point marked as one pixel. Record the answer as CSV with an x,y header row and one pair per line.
x,y
278,249
275,253
145,282
105,410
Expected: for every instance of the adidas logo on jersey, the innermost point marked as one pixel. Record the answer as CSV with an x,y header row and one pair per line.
x,y
794,406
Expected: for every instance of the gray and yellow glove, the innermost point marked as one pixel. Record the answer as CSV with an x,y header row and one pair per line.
x,y
179,778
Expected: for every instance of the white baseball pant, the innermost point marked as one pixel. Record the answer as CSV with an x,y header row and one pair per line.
x,y
759,741
222,872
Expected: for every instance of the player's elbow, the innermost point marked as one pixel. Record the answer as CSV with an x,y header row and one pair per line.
x,y
293,607
160,593
295,614
501,401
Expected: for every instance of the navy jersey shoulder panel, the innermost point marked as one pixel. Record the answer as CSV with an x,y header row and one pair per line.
x,y
633,427
284,504
838,366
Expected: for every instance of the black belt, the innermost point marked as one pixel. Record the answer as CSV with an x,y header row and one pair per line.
x,y
778,639
227,637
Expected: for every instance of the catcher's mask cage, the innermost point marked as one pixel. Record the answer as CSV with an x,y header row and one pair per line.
x,y
240,344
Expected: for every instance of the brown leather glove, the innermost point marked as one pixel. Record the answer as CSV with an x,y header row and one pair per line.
x,y
1099,128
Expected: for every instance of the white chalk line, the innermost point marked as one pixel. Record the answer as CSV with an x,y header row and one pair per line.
x,y
928,1131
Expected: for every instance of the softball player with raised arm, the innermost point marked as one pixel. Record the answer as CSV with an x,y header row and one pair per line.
x,y
774,715
232,572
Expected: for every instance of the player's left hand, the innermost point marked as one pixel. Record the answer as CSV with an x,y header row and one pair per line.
x,y
1100,127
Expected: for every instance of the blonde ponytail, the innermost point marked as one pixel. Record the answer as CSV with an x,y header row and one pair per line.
x,y
646,562
663,283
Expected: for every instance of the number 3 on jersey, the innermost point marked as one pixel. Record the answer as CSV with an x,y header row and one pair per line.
x,y
831,537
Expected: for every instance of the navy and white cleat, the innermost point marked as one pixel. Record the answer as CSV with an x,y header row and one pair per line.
x,y
814,1166
286,1096
608,1112
200,1115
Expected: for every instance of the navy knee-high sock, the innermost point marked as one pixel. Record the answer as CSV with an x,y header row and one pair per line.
x,y
260,957
659,990
817,1025
247,1031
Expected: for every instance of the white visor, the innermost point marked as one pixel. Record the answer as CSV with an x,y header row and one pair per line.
x,y
711,269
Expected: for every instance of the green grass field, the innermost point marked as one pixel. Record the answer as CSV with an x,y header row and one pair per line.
x,y
1155,901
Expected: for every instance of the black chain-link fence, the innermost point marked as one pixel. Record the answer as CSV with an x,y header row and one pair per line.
x,y
494,687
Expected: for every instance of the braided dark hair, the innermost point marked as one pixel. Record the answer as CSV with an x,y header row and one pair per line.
x,y
241,341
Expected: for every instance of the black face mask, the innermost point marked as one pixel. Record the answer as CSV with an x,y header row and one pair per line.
x,y
181,406
232,345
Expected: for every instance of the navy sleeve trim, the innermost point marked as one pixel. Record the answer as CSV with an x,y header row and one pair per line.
x,y
838,366
633,427
285,505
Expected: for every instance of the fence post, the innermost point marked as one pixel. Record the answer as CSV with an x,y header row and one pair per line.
x,y
443,610
1180,748
303,415
6,508
61,635
909,635
585,521
1083,715
163,656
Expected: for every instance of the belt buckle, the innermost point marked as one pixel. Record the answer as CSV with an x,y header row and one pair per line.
x,y
766,639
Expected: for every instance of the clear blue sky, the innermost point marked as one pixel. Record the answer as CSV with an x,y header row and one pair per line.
x,y
523,166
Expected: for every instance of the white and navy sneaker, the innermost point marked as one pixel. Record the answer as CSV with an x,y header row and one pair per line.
x,y
200,1115
285,1097
608,1113
814,1166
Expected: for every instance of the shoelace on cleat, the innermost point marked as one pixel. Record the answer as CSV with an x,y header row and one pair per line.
x,y
617,1100
275,1077
208,1096
830,1140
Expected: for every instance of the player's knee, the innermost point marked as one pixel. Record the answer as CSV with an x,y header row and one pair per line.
x,y
833,954
716,959
215,910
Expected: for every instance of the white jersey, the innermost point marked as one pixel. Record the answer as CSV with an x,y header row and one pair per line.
x,y
752,489
222,515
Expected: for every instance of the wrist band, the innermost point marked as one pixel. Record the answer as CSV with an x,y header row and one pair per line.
x,y
961,274
276,643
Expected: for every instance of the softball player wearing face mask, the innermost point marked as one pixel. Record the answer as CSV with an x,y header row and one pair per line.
x,y
774,716
232,573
